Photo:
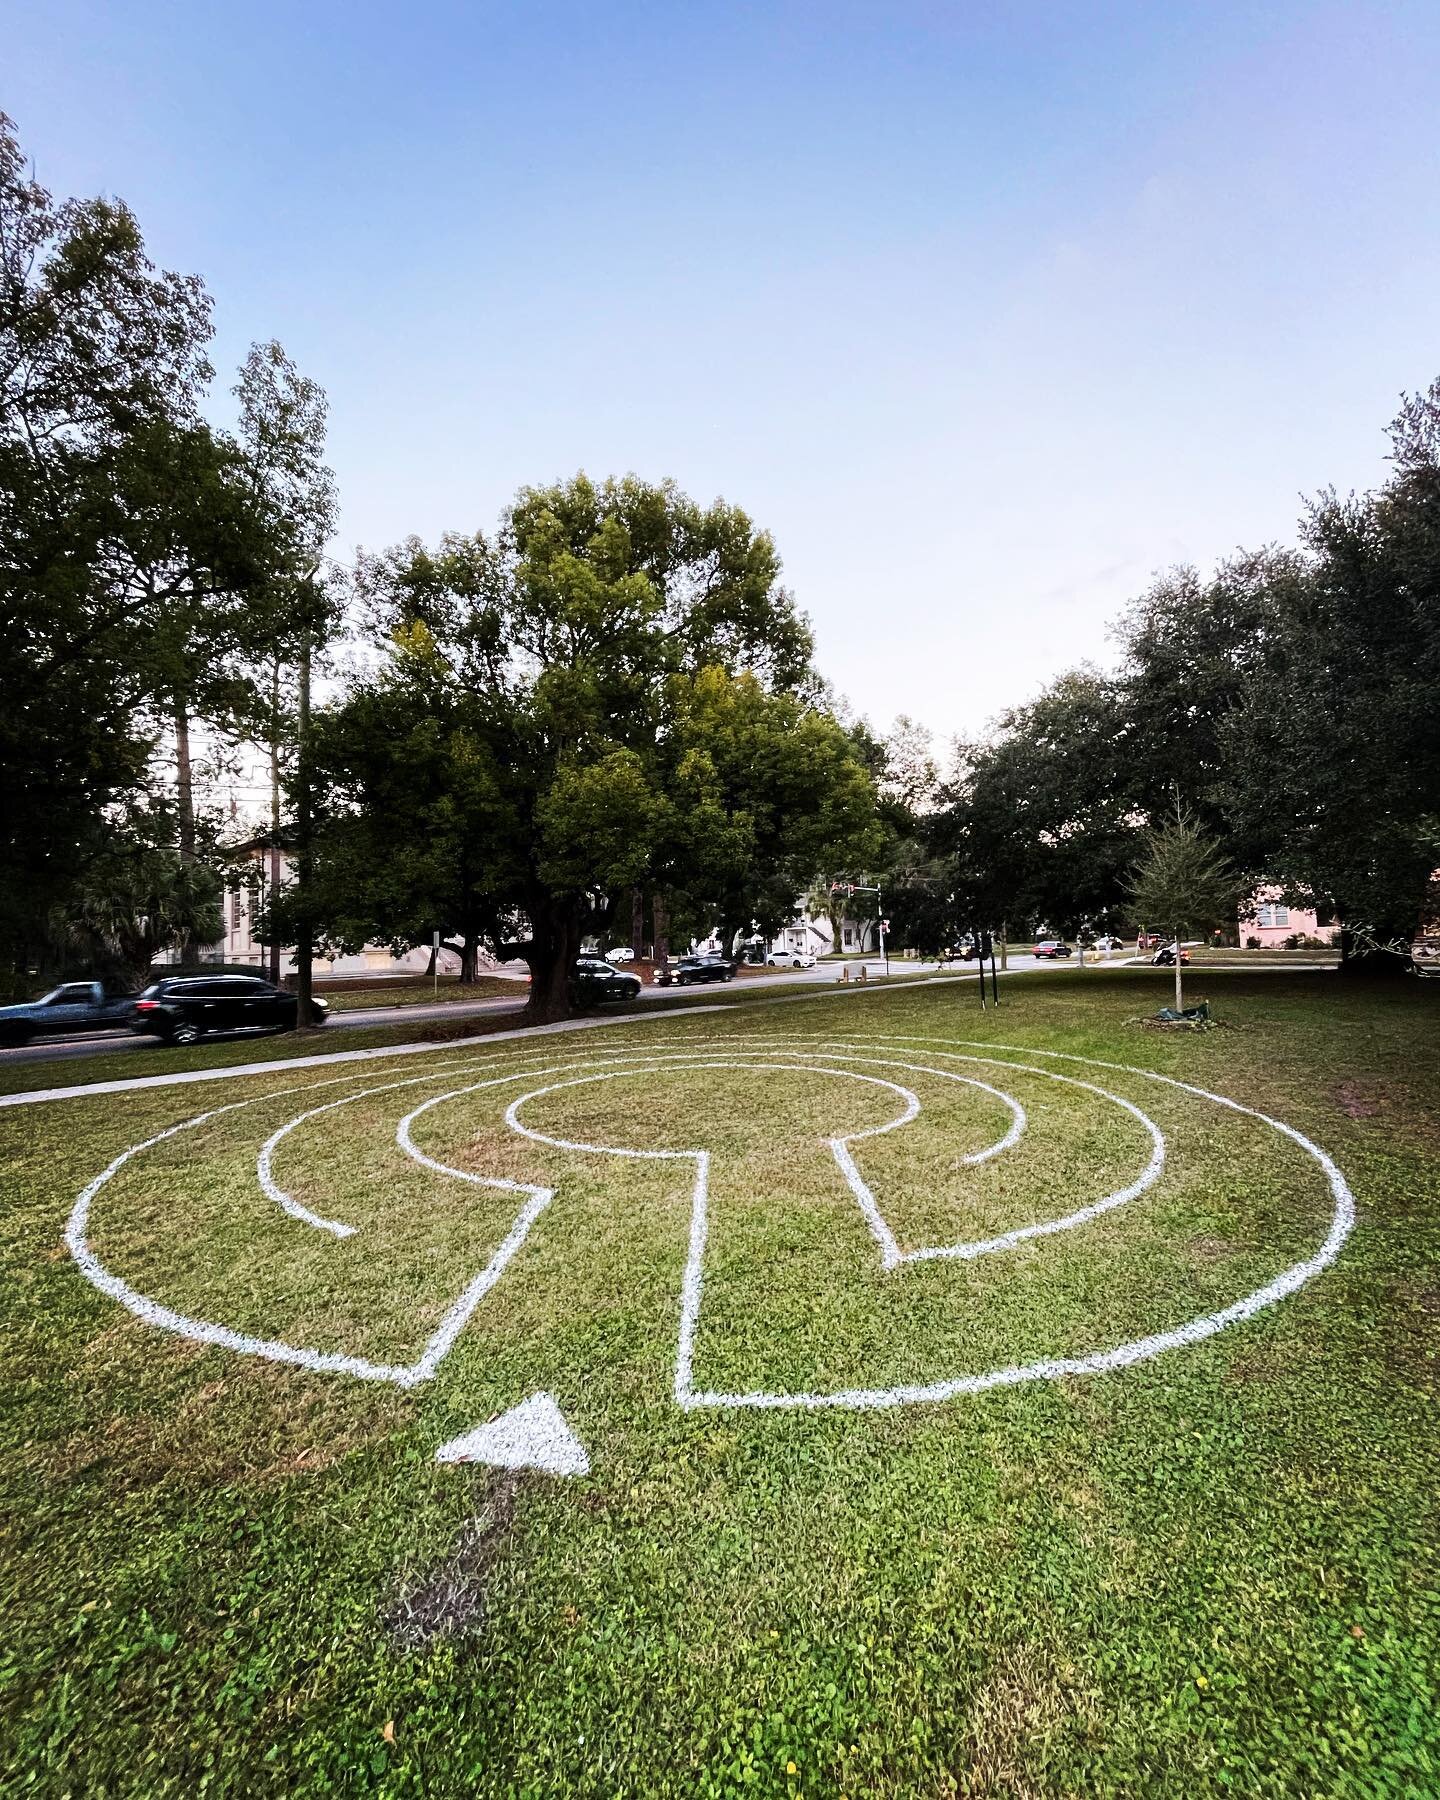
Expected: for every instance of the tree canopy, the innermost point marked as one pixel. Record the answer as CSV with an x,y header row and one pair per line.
x,y
148,561
611,688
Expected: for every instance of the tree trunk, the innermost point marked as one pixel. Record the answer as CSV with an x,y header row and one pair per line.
x,y
469,959
637,922
1179,986
554,944
662,927
184,781
304,948
430,965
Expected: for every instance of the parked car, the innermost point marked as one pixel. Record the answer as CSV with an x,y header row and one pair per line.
x,y
1164,957
74,1006
689,969
1053,947
1108,943
183,1009
621,954
593,980
790,959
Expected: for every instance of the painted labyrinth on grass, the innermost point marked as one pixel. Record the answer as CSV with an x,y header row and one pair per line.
x,y
838,1223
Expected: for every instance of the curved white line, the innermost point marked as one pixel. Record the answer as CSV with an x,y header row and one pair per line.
x,y
207,1331
892,1255
1123,1355
912,1103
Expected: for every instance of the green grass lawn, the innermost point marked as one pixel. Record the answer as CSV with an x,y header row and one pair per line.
x,y
423,993
1212,1572
1203,955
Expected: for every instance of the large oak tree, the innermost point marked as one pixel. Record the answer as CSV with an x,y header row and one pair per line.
x,y
611,689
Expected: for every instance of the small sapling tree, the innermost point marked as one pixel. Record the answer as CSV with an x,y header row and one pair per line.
x,y
1182,877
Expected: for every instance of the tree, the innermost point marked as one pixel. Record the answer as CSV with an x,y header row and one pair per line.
x,y
1183,879
137,898
282,434
1336,744
1042,821
97,347
764,787
147,561
613,689
1194,651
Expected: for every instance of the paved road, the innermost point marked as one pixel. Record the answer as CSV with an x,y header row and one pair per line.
x,y
823,974
112,1042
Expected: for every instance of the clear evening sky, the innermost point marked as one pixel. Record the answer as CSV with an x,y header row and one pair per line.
x,y
986,311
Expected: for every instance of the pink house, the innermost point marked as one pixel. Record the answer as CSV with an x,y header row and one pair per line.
x,y
1269,919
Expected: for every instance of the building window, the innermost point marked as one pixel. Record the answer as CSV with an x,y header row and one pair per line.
x,y
234,909
1272,918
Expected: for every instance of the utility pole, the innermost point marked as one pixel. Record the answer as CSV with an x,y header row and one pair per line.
x,y
274,813
303,860
855,887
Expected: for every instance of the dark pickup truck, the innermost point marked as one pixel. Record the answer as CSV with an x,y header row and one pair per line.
x,y
76,1006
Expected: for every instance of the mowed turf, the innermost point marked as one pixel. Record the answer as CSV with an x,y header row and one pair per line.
x,y
1213,1572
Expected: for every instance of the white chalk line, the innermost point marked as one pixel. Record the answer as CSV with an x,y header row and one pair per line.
x,y
692,1284
165,1318
155,1313
1125,1355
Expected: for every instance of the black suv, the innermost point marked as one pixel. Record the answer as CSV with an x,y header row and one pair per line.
x,y
696,968
181,1009
593,980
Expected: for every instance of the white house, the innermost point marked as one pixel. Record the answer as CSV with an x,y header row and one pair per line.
x,y
238,945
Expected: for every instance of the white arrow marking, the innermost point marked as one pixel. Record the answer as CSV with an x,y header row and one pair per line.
x,y
532,1435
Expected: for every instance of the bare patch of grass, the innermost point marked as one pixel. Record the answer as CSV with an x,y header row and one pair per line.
x,y
448,1601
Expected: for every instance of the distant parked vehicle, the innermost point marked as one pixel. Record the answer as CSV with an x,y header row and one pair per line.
x,y
1164,957
593,980
1053,947
621,954
687,970
1108,943
790,959
75,1006
1148,940
183,1009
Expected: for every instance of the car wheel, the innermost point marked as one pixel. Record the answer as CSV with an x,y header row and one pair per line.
x,y
186,1032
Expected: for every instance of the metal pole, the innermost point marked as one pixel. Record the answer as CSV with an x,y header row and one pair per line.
x,y
304,950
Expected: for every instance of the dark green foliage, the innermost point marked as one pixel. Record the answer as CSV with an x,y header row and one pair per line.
x,y
148,564
1293,698
613,689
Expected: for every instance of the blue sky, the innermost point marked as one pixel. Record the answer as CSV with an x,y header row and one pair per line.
x,y
985,311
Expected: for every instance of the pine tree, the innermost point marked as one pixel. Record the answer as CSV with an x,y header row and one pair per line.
x,y
1184,880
